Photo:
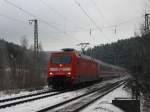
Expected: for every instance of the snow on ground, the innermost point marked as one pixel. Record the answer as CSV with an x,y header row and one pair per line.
x,y
46,102
13,93
42,103
27,98
106,108
5,94
104,104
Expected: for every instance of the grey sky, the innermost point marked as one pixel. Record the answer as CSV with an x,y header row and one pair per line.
x,y
68,25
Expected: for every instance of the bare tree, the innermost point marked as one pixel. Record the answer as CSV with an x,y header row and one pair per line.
x,y
40,47
24,42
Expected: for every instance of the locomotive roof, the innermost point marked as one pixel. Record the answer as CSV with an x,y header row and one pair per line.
x,y
68,49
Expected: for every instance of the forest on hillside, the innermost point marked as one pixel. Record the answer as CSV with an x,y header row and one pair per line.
x,y
132,54
17,68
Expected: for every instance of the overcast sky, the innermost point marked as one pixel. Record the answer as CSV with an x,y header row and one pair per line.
x,y
65,23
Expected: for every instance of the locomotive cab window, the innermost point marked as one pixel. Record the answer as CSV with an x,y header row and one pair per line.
x,y
61,60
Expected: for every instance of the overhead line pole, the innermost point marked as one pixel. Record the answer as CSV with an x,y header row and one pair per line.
x,y
36,46
147,22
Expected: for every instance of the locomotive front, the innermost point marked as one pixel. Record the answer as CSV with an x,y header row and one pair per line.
x,y
61,69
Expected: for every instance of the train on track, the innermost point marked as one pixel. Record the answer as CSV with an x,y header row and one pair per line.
x,y
69,67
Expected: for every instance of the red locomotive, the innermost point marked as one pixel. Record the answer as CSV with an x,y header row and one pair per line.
x,y
68,67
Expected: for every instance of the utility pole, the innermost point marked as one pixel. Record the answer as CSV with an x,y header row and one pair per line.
x,y
36,46
35,67
83,46
147,22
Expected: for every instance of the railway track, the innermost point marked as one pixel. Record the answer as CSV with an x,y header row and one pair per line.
x,y
59,104
77,103
27,98
31,97
24,96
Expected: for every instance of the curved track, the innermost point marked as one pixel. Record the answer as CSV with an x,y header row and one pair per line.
x,y
24,96
28,98
77,103
77,99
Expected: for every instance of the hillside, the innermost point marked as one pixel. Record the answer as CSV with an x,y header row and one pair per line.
x,y
133,54
17,67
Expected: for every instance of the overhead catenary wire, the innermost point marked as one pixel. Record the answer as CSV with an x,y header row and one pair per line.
x,y
30,14
123,22
106,27
52,26
13,19
61,15
90,18
110,26
119,24
25,23
23,10
98,9
34,16
65,33
85,30
87,15
61,30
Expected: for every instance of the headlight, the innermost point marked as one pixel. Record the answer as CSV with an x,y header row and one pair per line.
x,y
69,73
51,73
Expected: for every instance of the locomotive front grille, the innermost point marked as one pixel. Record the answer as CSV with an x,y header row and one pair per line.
x,y
61,80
